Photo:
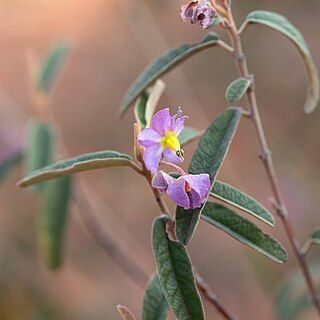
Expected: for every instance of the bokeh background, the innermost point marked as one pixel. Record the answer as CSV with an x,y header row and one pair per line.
x,y
112,42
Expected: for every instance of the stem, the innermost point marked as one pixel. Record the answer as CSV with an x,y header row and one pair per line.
x,y
266,158
174,167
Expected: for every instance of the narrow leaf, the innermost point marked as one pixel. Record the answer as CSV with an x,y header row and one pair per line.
x,y
125,313
53,220
189,134
11,162
283,25
240,200
175,274
208,158
155,306
243,230
237,89
85,162
163,64
51,65
140,109
39,152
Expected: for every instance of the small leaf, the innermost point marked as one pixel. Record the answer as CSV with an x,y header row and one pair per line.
x,y
240,200
125,313
85,162
39,152
283,25
53,220
315,237
243,230
155,306
163,64
175,274
237,89
208,158
51,65
147,103
189,134
11,162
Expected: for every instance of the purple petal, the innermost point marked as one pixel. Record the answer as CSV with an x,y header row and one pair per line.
x,y
161,121
162,181
152,157
195,200
187,11
177,192
148,137
200,183
179,124
170,155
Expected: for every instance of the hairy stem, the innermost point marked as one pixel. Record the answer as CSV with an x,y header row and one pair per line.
x,y
266,158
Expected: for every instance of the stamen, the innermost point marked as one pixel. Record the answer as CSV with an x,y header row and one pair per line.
x,y
180,154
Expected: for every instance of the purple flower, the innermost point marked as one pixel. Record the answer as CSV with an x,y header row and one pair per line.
x,y
189,191
161,140
198,12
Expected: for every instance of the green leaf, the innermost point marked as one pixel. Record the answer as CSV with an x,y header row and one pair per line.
x,y
11,162
125,313
155,306
189,134
208,158
243,230
315,237
163,64
240,200
85,162
237,89
147,102
175,274
51,65
53,220
283,25
39,152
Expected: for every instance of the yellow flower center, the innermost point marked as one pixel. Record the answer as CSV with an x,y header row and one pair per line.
x,y
171,141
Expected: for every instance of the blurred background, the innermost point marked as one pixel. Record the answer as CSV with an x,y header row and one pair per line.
x,y
112,42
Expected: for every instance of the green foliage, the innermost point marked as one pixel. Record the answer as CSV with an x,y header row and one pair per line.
x,y
237,89
189,134
53,220
51,65
175,274
85,162
155,306
163,64
281,24
140,109
208,158
239,199
39,152
10,163
243,230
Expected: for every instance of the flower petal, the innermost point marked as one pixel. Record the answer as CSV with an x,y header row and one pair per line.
x,y
200,183
170,155
152,156
195,200
177,192
162,181
148,137
161,121
179,124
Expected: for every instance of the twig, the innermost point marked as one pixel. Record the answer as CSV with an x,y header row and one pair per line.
x,y
267,159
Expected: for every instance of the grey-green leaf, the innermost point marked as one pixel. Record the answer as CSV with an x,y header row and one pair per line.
x,y
243,230
85,162
239,199
53,220
237,89
155,306
283,25
140,109
40,144
175,274
189,134
208,158
163,64
9,163
51,65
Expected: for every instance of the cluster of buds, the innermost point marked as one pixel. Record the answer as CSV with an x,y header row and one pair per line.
x,y
160,141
